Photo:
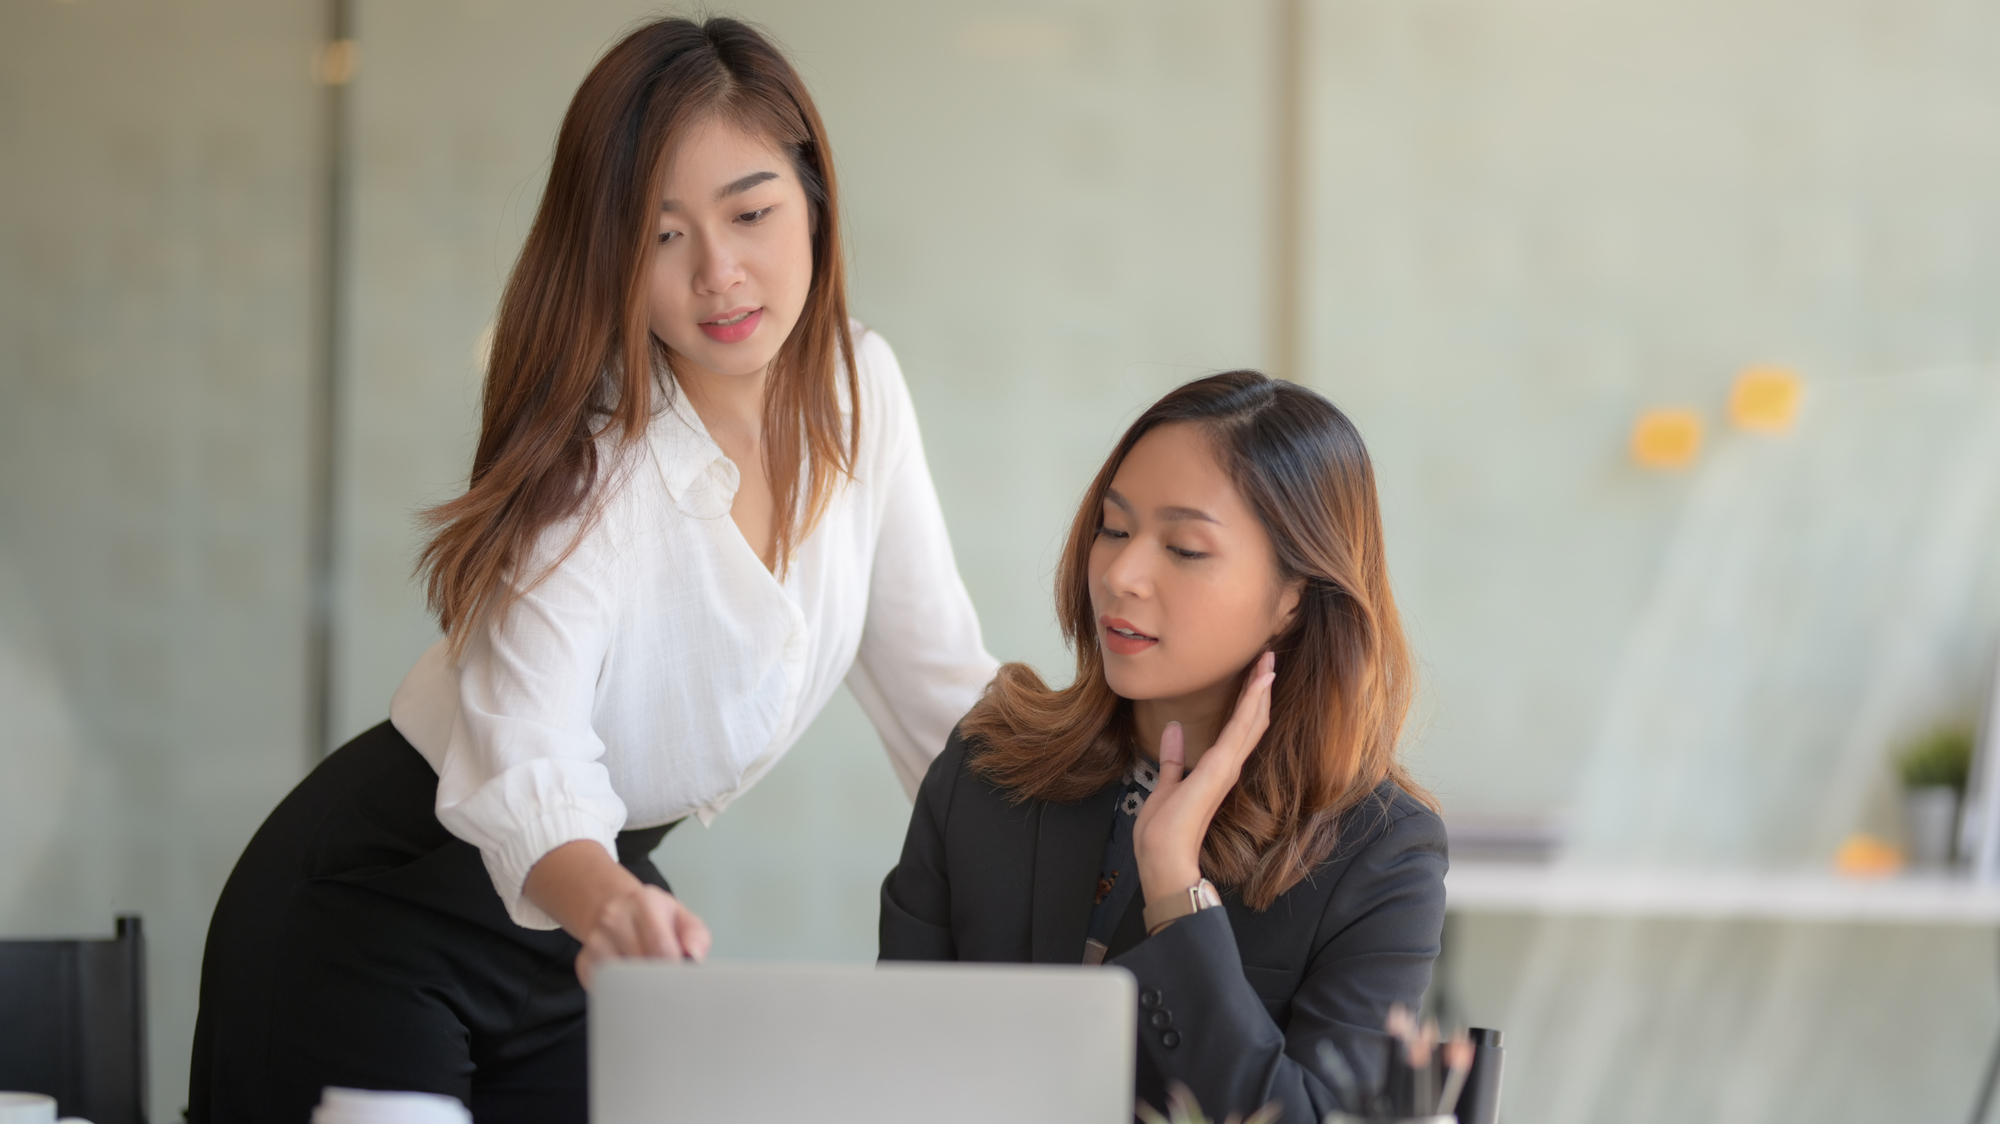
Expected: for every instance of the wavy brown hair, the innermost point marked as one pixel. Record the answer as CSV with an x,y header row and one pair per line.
x,y
1344,671
574,361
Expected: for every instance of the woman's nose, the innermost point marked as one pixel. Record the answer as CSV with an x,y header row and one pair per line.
x,y
719,268
1127,575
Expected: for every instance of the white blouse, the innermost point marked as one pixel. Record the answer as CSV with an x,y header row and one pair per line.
x,y
660,670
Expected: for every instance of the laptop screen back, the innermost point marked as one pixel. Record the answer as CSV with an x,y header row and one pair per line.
x,y
898,1044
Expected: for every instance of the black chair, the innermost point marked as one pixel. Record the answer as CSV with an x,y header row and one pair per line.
x,y
73,1023
1480,1102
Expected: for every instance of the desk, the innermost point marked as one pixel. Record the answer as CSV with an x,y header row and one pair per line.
x,y
1562,890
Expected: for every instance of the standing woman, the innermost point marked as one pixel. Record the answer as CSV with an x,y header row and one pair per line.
x,y
699,501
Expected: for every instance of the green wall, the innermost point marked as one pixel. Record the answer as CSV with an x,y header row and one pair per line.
x,y
1526,221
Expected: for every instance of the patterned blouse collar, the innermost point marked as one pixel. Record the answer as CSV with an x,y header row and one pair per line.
x,y
1143,773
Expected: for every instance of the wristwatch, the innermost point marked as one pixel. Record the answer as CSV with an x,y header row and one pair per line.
x,y
1202,895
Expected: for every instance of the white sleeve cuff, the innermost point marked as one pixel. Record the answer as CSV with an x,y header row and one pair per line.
x,y
510,859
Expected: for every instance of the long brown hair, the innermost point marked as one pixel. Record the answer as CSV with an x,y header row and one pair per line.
x,y
574,361
1344,676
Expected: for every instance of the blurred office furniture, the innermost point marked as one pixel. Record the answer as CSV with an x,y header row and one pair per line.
x,y
1503,839
73,1023
1413,1092
1719,894
1979,818
1563,889
1826,592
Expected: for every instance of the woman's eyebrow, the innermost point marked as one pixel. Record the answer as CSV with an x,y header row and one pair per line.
x,y
734,187
1163,514
738,187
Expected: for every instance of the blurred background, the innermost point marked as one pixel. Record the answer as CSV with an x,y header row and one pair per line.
x,y
244,280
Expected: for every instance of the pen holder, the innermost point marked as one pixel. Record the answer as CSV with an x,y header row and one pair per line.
x,y
1344,1118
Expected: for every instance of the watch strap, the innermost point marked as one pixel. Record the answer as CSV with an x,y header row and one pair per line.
x,y
1202,895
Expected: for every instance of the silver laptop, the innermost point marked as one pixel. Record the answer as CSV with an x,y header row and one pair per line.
x,y
899,1044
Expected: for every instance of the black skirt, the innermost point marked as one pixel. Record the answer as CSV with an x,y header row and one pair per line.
x,y
358,943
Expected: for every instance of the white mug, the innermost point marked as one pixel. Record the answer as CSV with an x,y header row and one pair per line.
x,y
370,1106
31,1108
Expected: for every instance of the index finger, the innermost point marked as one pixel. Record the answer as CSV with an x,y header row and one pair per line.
x,y
694,935
656,923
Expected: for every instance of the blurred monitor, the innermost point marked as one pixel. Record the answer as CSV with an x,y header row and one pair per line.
x,y
1503,839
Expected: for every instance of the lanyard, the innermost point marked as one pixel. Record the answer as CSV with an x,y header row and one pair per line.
x,y
1118,879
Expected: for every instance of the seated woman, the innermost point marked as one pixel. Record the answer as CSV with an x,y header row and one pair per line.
x,y
1226,591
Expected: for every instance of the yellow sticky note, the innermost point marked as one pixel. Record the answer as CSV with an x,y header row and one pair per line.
x,y
1666,438
1765,399
1864,856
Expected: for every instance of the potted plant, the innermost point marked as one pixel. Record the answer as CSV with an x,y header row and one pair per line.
x,y
1934,771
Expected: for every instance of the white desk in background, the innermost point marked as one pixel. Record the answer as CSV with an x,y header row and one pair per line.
x,y
1562,890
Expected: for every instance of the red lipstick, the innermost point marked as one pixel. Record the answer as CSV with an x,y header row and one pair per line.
x,y
1122,639
733,326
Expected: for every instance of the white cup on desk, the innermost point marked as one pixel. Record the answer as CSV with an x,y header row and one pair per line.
x,y
31,1108
371,1106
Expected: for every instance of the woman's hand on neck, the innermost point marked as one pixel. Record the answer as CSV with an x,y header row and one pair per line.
x,y
1174,821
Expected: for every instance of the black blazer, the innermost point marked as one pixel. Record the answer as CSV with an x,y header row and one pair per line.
x,y
1233,1002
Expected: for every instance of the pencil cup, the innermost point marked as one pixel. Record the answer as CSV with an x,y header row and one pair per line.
x,y
31,1108
1344,1118
369,1106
